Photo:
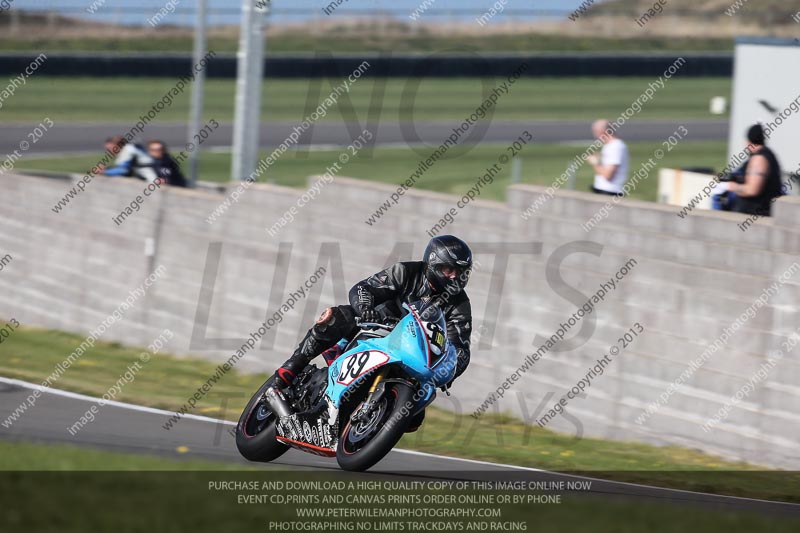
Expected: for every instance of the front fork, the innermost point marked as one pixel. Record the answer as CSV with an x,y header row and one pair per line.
x,y
376,391
378,378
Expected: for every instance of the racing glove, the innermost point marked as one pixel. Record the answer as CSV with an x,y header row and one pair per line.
x,y
365,306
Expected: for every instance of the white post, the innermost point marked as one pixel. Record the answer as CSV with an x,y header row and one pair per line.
x,y
571,177
250,63
516,170
196,112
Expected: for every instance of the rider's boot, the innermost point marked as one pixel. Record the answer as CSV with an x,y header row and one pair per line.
x,y
308,349
333,324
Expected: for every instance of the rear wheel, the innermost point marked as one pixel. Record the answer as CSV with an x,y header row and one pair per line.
x,y
255,432
366,441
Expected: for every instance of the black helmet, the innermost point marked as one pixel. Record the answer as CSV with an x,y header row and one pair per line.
x,y
444,253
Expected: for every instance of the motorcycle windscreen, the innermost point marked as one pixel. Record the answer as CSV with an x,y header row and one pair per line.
x,y
407,342
434,328
425,350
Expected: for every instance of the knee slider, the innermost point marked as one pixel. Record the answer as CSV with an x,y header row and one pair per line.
x,y
327,319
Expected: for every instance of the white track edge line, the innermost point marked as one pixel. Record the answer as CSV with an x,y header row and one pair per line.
x,y
123,405
141,408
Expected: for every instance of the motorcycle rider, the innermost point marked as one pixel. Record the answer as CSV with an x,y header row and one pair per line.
x,y
439,278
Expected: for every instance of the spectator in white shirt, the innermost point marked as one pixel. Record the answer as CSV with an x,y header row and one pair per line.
x,y
131,160
611,167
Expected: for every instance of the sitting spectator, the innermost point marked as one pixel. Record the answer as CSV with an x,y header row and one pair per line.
x,y
164,165
131,161
761,184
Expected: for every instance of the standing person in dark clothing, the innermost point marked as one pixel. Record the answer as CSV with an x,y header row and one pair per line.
x,y
762,177
164,165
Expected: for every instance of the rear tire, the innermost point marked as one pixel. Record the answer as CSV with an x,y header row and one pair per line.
x,y
255,432
357,456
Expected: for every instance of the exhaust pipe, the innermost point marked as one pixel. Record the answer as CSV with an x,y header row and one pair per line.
x,y
277,401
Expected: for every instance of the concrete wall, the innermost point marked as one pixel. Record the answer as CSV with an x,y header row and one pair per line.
x,y
692,279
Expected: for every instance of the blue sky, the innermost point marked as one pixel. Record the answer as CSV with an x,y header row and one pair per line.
x,y
225,11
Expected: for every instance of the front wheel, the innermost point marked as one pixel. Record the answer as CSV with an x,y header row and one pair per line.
x,y
255,432
367,441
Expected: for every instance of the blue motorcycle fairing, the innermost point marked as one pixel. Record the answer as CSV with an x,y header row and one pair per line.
x,y
419,346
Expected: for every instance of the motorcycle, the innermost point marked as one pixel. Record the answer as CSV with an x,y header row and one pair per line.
x,y
359,407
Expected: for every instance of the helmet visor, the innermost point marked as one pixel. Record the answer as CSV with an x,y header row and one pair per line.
x,y
455,273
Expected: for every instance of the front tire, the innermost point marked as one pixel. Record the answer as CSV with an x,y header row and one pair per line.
x,y
362,445
255,432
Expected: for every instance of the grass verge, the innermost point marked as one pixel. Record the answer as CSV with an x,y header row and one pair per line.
x,y
27,456
380,99
120,499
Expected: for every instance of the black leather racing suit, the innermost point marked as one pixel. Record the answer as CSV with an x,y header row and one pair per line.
x,y
390,288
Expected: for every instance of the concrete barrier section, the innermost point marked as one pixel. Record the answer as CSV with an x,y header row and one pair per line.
x,y
693,282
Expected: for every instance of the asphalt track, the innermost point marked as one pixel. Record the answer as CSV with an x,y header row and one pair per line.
x,y
71,137
134,429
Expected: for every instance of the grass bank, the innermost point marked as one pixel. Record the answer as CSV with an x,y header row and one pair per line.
x,y
123,100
